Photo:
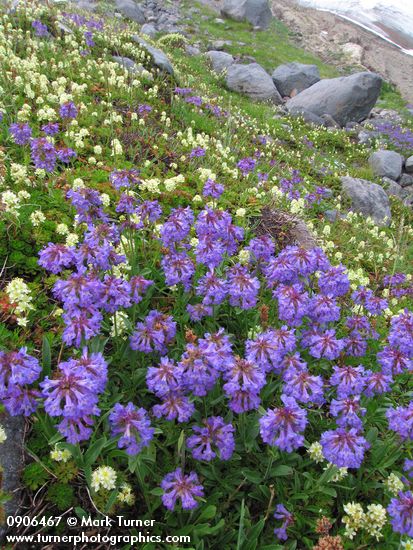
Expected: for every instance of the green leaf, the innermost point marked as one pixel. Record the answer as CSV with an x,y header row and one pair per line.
x,y
94,451
207,513
253,536
281,470
241,526
46,356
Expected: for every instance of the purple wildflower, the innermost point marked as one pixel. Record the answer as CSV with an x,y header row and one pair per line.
x,y
348,379
177,485
124,178
282,427
243,287
293,302
65,154
334,281
214,437
325,344
377,383
21,133
246,165
68,110
401,512
134,427
81,324
344,448
164,378
303,386
40,29
174,405
50,129
212,189
56,257
199,311
197,152
178,268
401,420
281,513
348,410
43,154
154,334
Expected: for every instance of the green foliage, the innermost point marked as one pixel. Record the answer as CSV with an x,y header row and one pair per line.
x,y
34,475
61,495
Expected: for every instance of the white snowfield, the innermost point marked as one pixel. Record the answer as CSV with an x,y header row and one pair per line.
x,y
396,14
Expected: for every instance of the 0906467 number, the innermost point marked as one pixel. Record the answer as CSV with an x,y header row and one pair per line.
x,y
27,521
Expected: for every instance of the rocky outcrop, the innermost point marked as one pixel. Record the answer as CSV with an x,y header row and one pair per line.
x,y
257,12
409,165
347,98
160,60
131,66
293,78
253,81
367,198
220,61
131,10
388,164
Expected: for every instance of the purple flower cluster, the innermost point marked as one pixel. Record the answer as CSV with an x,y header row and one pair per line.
x,y
178,486
18,370
282,427
133,426
155,333
73,394
214,437
281,513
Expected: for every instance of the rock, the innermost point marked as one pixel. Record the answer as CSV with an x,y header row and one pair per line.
x,y
329,121
149,30
353,52
386,164
331,215
219,45
367,198
256,12
219,60
253,81
308,116
158,57
406,180
129,64
295,76
130,9
347,98
192,50
11,460
409,165
392,188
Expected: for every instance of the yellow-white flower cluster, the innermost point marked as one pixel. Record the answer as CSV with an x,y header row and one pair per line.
x,y
20,298
372,521
60,455
104,477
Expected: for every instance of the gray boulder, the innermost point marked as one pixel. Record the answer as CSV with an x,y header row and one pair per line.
x,y
158,57
192,50
131,10
307,116
387,164
219,60
257,12
367,198
149,30
295,76
347,98
409,165
11,460
131,66
253,81
392,188
406,180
